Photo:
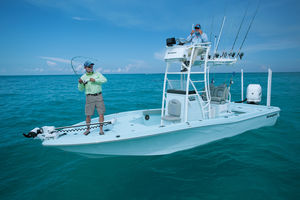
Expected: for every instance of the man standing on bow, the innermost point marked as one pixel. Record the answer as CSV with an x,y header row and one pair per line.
x,y
197,35
91,83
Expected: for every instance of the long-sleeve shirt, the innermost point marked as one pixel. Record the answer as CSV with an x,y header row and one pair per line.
x,y
92,87
197,39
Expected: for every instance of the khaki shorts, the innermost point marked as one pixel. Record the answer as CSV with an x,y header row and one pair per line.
x,y
92,102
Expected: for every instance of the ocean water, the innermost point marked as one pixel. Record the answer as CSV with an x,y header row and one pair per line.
x,y
258,164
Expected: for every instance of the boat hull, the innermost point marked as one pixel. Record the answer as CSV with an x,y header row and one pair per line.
x,y
172,141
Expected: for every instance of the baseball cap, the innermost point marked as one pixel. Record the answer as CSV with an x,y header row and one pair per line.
x,y
197,26
88,63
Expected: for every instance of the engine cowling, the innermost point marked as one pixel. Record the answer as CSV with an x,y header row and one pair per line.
x,y
254,93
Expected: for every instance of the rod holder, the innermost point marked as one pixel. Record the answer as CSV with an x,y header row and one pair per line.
x,y
269,87
242,84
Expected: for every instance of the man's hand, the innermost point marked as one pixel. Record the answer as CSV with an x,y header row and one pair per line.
x,y
192,32
92,80
80,81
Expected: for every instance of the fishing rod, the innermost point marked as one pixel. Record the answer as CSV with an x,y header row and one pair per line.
x,y
236,37
72,60
249,27
74,126
73,63
211,29
216,48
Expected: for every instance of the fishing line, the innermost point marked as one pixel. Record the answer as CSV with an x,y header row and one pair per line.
x,y
249,26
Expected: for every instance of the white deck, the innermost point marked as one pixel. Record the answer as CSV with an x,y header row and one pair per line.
x,y
132,126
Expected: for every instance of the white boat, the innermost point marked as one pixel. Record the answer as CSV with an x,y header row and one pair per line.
x,y
193,112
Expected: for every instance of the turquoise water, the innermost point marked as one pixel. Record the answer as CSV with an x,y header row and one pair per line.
x,y
258,164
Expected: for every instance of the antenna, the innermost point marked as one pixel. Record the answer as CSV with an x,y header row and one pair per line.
x,y
220,35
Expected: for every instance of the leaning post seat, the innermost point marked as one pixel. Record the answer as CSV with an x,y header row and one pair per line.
x,y
174,111
219,95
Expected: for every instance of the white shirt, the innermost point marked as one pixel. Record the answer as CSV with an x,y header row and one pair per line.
x,y
197,39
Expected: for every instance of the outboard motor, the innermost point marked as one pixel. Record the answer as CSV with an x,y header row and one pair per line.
x,y
254,94
170,41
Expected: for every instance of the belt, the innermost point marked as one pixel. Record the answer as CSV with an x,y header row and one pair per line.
x,y
94,94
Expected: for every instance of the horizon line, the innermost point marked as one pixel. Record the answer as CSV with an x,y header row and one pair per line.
x,y
136,73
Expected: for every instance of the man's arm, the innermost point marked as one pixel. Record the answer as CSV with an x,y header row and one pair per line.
x,y
189,38
80,87
204,37
80,84
100,79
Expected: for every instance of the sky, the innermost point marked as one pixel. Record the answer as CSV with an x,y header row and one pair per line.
x,y
40,37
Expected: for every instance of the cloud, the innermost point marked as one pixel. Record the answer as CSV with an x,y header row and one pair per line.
x,y
38,69
264,67
273,45
131,67
60,60
81,19
156,15
134,66
99,69
159,55
126,19
50,63
106,71
55,65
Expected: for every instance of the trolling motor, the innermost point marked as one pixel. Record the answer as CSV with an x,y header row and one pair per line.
x,y
44,132
33,133
47,132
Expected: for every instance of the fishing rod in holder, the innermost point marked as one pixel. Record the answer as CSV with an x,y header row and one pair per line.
x,y
231,53
240,54
236,37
